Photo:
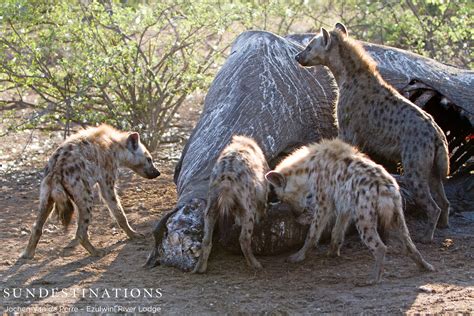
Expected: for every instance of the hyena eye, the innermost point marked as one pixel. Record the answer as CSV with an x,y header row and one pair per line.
x,y
309,196
149,160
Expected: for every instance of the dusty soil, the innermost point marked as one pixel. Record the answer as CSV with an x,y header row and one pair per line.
x,y
118,281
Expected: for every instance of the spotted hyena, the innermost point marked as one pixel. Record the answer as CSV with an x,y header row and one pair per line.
x,y
91,156
237,186
332,179
376,118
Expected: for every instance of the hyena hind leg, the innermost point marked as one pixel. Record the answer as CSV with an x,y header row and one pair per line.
x,y
45,208
210,217
246,236
410,247
424,199
338,233
84,208
439,195
368,232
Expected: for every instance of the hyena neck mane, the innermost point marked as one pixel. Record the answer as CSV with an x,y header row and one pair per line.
x,y
112,142
314,156
352,62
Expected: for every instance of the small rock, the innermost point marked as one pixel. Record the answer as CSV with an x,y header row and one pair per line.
x,y
427,289
448,243
24,231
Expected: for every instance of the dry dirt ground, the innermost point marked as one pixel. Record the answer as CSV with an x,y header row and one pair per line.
x,y
118,281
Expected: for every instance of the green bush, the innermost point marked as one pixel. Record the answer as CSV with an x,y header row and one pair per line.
x,y
439,29
133,64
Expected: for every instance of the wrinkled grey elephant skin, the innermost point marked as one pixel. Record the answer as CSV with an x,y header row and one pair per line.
x,y
263,93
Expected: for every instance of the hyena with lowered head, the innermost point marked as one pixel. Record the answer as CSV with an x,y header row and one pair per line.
x,y
375,117
237,186
333,179
88,157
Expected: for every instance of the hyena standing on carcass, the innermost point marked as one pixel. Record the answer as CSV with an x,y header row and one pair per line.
x,y
332,179
88,157
374,116
237,187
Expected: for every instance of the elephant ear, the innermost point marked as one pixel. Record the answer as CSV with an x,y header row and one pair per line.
x,y
339,26
276,179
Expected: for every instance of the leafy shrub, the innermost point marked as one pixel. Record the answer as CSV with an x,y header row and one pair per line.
x,y
103,62
133,64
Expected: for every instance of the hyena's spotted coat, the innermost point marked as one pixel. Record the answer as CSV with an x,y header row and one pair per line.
x,y
91,156
375,117
333,179
237,186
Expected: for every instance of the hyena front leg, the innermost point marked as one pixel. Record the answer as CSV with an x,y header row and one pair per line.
x,y
113,203
246,232
210,217
45,208
319,222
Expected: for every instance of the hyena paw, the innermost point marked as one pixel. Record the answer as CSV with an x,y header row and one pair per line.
x,y
136,235
426,240
332,253
200,267
256,265
362,283
429,267
442,224
26,255
98,253
295,258
73,243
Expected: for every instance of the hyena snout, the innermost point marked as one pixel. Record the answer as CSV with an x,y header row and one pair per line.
x,y
151,173
302,58
146,170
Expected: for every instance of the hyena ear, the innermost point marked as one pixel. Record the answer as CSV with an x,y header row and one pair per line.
x,y
339,26
326,38
277,179
133,141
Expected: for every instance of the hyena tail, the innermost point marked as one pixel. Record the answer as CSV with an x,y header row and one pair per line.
x,y
398,216
225,203
63,206
388,204
225,200
441,159
396,220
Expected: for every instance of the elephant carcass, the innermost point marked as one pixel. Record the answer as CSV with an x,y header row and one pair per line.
x,y
263,93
